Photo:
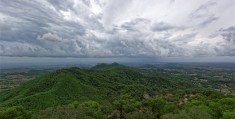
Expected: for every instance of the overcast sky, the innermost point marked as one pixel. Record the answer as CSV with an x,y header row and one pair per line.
x,y
117,28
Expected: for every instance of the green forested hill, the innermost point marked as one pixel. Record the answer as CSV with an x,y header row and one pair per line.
x,y
100,83
116,87
66,85
53,89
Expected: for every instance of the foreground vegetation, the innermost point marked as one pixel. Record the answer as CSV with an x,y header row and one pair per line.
x,y
116,91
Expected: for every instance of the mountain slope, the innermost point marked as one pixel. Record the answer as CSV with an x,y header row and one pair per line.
x,y
74,84
60,87
66,85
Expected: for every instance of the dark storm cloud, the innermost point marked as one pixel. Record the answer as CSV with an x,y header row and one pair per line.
x,y
138,24
226,47
161,26
30,20
137,47
61,5
100,28
228,34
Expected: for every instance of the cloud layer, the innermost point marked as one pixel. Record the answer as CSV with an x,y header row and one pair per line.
x,y
117,28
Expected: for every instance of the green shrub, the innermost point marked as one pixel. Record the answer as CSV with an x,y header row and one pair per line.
x,y
15,112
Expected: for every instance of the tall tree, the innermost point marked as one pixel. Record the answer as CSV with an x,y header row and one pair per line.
x,y
126,104
156,105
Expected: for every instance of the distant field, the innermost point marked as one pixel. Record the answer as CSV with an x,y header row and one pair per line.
x,y
11,78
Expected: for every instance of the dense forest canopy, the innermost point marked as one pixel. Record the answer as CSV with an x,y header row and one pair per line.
x,y
113,91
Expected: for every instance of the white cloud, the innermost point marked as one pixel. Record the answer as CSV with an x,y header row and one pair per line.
x,y
50,37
